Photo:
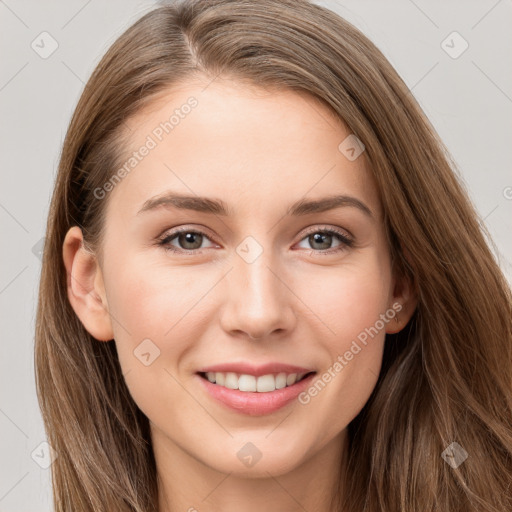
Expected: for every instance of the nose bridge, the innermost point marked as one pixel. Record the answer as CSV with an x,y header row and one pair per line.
x,y
258,300
257,280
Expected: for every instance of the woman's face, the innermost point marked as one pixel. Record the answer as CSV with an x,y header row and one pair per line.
x,y
255,278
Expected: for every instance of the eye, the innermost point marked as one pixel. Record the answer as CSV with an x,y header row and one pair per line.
x,y
189,240
320,240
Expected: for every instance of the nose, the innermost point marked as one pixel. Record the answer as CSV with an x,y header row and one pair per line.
x,y
259,301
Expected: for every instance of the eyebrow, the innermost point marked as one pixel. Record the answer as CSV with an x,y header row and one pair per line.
x,y
218,207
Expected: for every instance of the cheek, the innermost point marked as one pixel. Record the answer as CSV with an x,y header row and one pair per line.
x,y
351,298
154,312
350,302
152,300
150,297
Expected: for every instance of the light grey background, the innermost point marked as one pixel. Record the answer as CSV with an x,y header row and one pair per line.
x,y
468,99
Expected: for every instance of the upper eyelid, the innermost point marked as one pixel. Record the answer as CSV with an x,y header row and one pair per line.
x,y
320,228
180,229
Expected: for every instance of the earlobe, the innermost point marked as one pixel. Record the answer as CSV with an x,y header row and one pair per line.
x,y
86,291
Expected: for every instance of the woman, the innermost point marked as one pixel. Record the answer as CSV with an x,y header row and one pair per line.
x,y
254,368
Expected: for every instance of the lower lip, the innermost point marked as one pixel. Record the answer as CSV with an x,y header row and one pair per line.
x,y
253,403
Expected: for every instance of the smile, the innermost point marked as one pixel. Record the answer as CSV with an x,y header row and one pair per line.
x,y
251,383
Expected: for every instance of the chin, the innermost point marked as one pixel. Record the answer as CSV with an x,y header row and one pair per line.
x,y
253,459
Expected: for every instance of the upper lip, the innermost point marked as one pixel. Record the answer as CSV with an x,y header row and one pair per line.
x,y
251,369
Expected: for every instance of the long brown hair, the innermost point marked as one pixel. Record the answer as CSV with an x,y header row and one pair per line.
x,y
445,378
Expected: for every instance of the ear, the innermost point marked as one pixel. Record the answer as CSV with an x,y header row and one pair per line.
x,y
86,291
403,301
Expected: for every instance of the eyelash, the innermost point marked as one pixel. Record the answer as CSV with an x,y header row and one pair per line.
x,y
346,242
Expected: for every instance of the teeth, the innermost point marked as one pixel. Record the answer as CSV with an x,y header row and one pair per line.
x,y
231,381
219,378
262,384
247,383
291,379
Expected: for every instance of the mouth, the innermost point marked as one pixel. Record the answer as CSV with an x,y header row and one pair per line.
x,y
255,384
255,395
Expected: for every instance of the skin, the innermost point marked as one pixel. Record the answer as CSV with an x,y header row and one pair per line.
x,y
259,152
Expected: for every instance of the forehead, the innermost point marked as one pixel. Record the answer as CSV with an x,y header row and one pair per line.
x,y
243,143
